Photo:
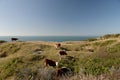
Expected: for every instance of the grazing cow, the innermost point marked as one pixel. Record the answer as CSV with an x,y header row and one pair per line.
x,y
58,45
91,50
62,53
51,63
62,72
14,39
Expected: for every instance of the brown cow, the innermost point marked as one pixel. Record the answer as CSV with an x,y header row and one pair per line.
x,y
62,72
62,53
14,39
57,45
51,63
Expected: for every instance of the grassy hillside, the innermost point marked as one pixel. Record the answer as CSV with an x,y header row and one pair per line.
x,y
91,59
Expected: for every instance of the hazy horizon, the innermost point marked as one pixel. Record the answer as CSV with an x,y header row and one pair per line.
x,y
59,17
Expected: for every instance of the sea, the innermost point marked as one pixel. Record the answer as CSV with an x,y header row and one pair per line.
x,y
47,38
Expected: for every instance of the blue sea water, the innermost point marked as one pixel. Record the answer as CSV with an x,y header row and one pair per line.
x,y
47,38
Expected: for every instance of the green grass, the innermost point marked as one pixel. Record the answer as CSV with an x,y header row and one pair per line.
x,y
98,66
8,68
115,48
107,36
21,58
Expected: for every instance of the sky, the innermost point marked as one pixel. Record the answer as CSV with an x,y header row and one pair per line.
x,y
59,17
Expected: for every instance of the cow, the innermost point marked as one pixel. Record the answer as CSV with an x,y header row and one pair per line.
x,y
57,45
62,72
91,50
62,53
14,39
51,63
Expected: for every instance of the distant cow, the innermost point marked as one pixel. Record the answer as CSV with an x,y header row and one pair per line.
x,y
91,50
58,45
62,72
14,39
51,63
62,53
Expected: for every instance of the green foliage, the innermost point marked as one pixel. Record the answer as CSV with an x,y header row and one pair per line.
x,y
72,64
110,36
98,66
115,48
9,48
75,47
34,57
105,56
2,41
96,44
106,43
91,39
8,68
30,73
44,47
95,67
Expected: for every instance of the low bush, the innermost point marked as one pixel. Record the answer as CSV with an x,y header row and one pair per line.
x,y
8,68
91,39
2,41
98,66
71,64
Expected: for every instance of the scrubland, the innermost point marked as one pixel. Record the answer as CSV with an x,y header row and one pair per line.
x,y
92,59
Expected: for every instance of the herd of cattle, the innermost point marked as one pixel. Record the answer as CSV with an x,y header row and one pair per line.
x,y
59,71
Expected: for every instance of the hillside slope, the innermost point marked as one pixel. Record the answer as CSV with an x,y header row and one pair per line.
x,y
25,60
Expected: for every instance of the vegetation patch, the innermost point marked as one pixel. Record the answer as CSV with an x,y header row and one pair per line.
x,y
107,36
2,41
115,48
71,64
20,61
34,57
9,48
91,39
106,43
8,68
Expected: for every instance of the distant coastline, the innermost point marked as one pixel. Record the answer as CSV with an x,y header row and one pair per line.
x,y
48,38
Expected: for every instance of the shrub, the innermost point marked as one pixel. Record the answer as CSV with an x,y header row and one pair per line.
x,y
35,74
95,67
72,64
98,66
10,48
110,36
9,67
91,39
109,42
115,48
2,41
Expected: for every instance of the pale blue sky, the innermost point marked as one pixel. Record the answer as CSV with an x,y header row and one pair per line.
x,y
59,17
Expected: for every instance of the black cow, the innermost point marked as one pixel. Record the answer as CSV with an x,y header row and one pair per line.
x,y
63,72
14,39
